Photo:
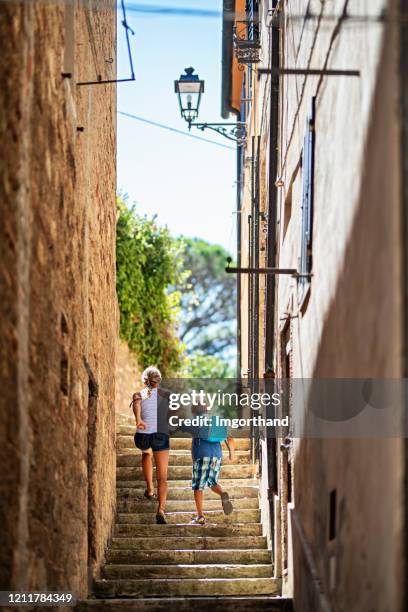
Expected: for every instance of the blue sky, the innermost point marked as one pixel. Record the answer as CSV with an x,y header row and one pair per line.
x,y
189,184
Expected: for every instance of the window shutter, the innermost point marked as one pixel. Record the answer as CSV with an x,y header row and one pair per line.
x,y
305,266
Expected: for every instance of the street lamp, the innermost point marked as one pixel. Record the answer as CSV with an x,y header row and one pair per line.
x,y
189,89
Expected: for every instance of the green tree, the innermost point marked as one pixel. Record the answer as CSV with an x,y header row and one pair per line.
x,y
200,366
150,276
209,300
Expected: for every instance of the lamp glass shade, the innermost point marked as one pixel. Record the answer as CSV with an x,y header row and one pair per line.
x,y
189,88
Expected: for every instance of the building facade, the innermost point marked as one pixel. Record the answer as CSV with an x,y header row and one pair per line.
x,y
57,271
322,198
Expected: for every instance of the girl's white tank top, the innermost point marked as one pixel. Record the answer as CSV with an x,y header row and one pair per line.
x,y
149,413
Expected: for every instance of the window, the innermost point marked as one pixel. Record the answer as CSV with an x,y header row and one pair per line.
x,y
247,34
305,259
332,514
252,15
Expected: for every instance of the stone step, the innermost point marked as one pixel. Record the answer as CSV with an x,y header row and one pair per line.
x,y
171,531
226,483
181,472
167,557
227,570
131,458
125,439
183,505
182,587
179,452
124,418
212,516
136,489
189,543
186,604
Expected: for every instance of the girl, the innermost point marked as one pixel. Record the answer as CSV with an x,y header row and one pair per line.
x,y
150,440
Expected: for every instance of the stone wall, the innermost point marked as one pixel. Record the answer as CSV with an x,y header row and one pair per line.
x,y
128,374
59,317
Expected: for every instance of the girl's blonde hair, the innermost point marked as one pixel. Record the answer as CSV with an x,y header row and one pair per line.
x,y
149,376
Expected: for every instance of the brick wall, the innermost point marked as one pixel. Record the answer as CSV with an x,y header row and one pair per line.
x,y
59,313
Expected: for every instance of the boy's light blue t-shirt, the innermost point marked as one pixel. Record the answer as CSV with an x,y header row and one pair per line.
x,y
204,448
203,445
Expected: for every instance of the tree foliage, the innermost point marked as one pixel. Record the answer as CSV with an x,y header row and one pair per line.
x,y
209,301
200,365
160,278
150,276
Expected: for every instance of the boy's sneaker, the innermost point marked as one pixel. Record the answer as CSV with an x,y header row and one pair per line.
x,y
197,520
226,503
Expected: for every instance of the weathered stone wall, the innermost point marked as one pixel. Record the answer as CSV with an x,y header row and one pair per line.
x,y
58,311
128,381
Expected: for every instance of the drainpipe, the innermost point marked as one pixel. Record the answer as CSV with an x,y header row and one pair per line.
x,y
250,296
255,286
226,111
403,58
271,260
239,261
255,208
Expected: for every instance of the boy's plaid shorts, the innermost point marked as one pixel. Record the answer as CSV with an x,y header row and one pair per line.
x,y
205,472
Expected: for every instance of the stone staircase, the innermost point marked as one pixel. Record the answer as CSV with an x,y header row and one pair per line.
x,y
222,565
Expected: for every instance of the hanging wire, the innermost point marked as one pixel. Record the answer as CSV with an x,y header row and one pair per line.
x,y
383,16
308,17
176,131
172,11
363,20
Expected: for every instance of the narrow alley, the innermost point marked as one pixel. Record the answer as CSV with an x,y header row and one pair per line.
x,y
215,191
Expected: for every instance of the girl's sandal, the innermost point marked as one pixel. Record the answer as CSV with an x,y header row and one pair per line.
x,y
149,497
160,519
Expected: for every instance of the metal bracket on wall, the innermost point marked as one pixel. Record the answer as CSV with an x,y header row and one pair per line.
x,y
288,271
99,80
308,71
233,131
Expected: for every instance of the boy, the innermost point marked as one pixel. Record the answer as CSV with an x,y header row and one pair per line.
x,y
207,458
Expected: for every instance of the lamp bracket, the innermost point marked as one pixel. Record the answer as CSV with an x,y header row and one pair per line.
x,y
308,71
233,131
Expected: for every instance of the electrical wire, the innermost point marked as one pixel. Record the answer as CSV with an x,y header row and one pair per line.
x,y
172,11
171,129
